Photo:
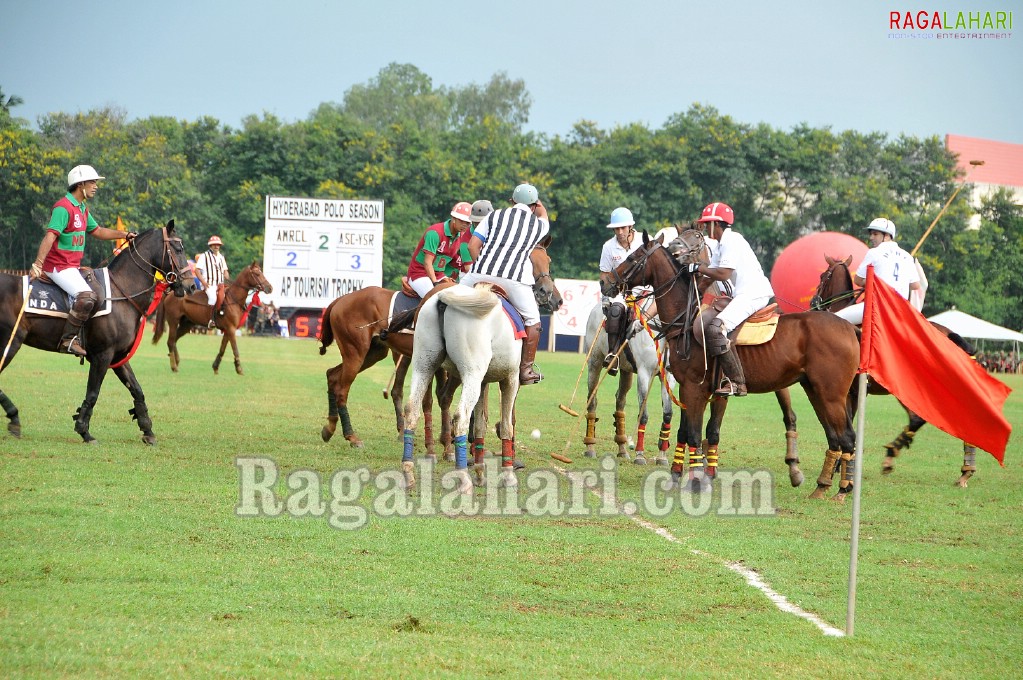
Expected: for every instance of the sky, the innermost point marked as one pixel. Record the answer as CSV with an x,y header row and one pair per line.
x,y
820,62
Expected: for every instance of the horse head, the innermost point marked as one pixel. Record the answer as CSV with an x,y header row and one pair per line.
x,y
835,289
159,252
691,245
632,272
548,297
253,279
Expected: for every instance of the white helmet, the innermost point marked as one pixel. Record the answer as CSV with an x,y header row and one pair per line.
x,y
525,193
621,217
883,225
480,210
82,173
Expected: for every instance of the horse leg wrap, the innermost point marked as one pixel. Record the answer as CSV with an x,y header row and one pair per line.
x,y
461,452
831,459
664,438
712,461
679,459
346,421
9,408
591,429
428,429
903,441
620,437
847,468
969,458
791,448
331,404
507,453
695,460
141,414
408,439
479,451
640,437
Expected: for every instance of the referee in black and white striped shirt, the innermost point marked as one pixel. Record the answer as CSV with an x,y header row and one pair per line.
x,y
500,247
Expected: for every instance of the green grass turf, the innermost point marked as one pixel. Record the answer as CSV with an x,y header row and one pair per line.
x,y
125,560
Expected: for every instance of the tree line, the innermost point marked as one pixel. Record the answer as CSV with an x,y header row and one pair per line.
x,y
420,148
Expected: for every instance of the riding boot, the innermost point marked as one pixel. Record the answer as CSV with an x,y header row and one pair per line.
x,y
615,324
527,374
80,310
732,370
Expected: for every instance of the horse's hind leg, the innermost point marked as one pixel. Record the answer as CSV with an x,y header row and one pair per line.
x,y
622,439
471,389
903,441
397,391
590,438
835,416
421,377
234,348
509,389
333,377
791,437
140,412
14,424
220,355
644,383
440,380
97,371
969,464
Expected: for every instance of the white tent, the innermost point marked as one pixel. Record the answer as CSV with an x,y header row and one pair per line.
x,y
972,327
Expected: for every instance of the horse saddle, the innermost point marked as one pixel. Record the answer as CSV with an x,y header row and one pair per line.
x,y
197,307
756,330
407,289
403,304
49,299
514,318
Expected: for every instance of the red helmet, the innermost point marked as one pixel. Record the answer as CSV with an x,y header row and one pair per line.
x,y
462,211
718,212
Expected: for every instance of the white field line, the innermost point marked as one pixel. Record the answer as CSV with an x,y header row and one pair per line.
x,y
751,577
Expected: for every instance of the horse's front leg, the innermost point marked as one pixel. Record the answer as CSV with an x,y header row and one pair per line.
x,y
172,345
689,436
220,355
428,442
478,426
471,389
644,381
140,411
422,374
509,389
593,370
710,444
791,436
440,380
98,365
664,436
237,357
397,391
622,439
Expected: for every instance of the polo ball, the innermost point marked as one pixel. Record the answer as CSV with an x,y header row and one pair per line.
x,y
535,434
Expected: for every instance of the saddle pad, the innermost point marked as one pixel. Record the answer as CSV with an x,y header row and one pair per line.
x,y
757,333
514,318
49,299
400,302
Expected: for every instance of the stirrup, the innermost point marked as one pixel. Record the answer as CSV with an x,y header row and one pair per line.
x,y
729,388
612,364
529,378
73,347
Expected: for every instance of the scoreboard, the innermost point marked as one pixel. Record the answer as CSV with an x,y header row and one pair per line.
x,y
316,250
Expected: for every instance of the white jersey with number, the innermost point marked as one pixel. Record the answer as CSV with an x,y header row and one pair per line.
x,y
893,265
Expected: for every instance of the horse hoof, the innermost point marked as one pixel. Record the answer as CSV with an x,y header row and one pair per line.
x,y
625,455
449,457
174,369
508,480
355,442
240,371
661,460
518,465
15,430
465,485
639,460
149,439
407,469
326,433
796,478
962,483
819,492
840,497
90,440
590,454
887,466
432,457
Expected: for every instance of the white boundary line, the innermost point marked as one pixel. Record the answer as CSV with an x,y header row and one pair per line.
x,y
751,577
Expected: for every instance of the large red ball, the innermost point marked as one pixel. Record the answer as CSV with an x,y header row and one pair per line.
x,y
798,269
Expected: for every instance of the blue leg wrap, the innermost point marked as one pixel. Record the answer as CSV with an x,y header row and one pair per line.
x,y
461,451
406,455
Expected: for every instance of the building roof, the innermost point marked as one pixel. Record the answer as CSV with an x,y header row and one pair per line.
x,y
1003,162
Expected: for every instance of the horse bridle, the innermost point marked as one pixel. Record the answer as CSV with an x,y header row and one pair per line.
x,y
817,303
538,290
259,287
173,278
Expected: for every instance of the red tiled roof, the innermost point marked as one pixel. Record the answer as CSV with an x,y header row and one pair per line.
x,y
1003,162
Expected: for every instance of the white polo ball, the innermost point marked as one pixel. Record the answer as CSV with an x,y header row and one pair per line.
x,y
535,434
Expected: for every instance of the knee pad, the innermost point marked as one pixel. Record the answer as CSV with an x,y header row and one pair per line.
x,y
616,318
716,338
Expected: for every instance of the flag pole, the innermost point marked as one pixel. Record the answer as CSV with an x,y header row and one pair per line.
x,y
951,198
854,543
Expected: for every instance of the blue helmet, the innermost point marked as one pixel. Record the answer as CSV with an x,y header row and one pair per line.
x,y
525,193
621,217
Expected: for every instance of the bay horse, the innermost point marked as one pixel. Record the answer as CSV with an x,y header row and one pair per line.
x,y
109,338
182,314
836,291
356,323
466,331
818,351
645,370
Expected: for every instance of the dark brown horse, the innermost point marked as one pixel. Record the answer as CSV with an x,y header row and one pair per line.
x,y
356,321
181,314
836,291
109,338
819,352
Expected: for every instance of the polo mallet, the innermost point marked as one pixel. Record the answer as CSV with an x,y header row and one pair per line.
x,y
973,164
586,362
14,328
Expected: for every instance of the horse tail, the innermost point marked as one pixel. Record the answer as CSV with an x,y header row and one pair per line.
x,y
477,301
159,321
961,343
326,330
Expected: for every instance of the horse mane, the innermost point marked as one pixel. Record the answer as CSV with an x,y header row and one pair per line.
x,y
477,301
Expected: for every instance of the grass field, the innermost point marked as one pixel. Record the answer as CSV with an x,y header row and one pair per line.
x,y
125,560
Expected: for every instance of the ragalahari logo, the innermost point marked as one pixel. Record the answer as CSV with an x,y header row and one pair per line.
x,y
941,24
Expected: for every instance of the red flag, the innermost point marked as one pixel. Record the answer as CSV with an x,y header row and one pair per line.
x,y
928,373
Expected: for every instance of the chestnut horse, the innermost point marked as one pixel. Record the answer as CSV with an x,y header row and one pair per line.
x,y
356,322
818,351
109,338
182,314
836,291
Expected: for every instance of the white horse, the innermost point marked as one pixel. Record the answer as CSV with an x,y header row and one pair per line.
x,y
471,337
643,350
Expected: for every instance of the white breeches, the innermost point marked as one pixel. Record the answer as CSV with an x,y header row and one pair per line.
x,y
519,294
